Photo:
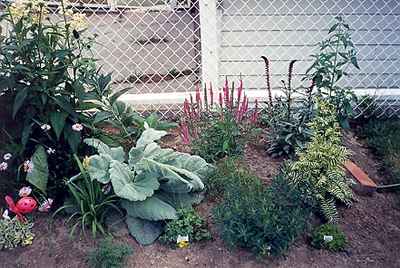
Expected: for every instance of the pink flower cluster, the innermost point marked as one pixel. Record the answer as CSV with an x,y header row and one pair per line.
x,y
228,101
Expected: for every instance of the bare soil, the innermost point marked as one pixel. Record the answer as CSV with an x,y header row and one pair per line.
x,y
372,226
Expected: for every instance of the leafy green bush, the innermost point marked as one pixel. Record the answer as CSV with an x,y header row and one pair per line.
x,y
153,182
330,237
216,130
188,223
319,171
287,116
228,171
89,202
336,54
109,255
14,233
266,221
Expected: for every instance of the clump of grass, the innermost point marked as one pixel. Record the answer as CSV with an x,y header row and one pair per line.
x,y
383,137
109,254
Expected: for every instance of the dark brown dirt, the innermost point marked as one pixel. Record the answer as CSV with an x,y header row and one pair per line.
x,y
372,226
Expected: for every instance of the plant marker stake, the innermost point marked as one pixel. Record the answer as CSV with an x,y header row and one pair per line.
x,y
211,95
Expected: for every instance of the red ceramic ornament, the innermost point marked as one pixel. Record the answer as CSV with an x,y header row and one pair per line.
x,y
26,205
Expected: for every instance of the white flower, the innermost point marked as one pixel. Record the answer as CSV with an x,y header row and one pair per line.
x,y
28,166
77,127
5,215
46,205
3,166
25,191
50,151
45,127
7,156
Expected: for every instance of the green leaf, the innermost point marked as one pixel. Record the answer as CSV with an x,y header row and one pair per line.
x,y
40,172
114,97
355,62
185,200
101,116
116,153
150,135
57,120
128,186
99,168
19,100
73,137
145,232
153,209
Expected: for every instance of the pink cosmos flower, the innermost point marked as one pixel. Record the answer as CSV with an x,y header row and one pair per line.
x,y
46,205
25,191
77,127
5,215
7,156
3,166
28,166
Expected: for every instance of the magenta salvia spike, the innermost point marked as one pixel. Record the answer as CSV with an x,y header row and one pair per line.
x,y
239,95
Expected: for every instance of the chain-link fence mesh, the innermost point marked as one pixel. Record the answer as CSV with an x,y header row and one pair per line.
x,y
163,48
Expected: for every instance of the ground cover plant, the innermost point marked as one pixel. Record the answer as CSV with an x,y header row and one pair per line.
x,y
189,225
216,129
330,237
14,233
109,254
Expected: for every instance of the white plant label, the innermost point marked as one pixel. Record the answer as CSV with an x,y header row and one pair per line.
x,y
328,238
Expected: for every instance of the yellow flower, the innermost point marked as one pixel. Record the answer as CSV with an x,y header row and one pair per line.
x,y
183,244
17,10
28,240
86,162
78,22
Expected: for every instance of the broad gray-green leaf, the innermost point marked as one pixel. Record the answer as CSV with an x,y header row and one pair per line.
x,y
150,135
145,232
152,209
40,172
186,200
99,168
128,186
116,153
177,171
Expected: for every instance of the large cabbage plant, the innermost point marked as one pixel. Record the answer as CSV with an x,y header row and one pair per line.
x,y
152,182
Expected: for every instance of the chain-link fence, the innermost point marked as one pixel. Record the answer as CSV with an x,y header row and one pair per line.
x,y
163,48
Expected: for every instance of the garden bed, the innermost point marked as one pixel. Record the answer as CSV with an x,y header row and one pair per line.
x,y
371,225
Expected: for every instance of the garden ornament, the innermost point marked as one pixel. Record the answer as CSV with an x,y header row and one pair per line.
x,y
23,206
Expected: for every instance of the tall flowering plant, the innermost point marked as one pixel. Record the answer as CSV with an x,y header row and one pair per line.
x,y
47,77
216,123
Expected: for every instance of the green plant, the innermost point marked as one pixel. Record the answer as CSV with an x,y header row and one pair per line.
x,y
152,182
219,130
228,171
337,53
190,224
14,233
319,171
89,202
330,237
266,221
109,255
287,116
383,137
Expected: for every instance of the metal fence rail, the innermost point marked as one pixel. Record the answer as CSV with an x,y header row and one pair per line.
x,y
163,48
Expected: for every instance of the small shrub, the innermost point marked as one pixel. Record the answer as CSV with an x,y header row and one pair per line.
x,y
319,171
14,233
330,237
188,223
287,116
266,221
228,172
218,129
109,255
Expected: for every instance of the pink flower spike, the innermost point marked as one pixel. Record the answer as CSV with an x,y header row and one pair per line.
x,y
25,191
186,108
184,133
